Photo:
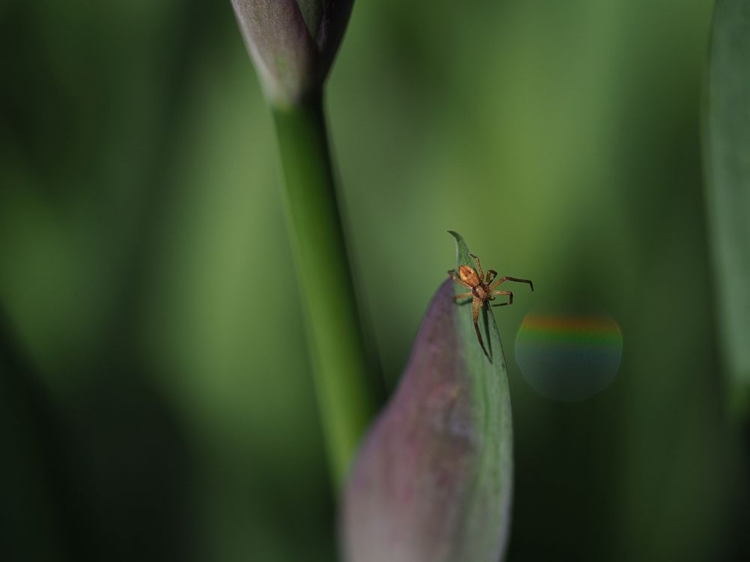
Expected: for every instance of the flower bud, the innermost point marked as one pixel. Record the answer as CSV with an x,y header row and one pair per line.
x,y
292,43
432,481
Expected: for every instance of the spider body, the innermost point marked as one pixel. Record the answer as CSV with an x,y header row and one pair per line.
x,y
482,288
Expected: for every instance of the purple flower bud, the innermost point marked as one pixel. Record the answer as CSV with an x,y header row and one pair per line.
x,y
292,43
432,481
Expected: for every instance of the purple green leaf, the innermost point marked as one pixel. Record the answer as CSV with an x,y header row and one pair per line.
x,y
433,479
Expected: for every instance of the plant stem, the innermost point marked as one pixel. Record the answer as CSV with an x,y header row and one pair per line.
x,y
346,383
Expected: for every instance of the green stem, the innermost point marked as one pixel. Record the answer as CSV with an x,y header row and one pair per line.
x,y
346,386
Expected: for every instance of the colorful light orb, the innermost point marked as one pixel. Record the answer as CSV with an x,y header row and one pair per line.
x,y
569,357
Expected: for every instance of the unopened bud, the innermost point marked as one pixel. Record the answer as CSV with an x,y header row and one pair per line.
x,y
432,481
292,43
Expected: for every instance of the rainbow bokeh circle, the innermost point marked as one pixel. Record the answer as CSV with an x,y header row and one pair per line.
x,y
569,357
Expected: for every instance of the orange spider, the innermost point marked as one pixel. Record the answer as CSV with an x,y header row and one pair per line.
x,y
482,288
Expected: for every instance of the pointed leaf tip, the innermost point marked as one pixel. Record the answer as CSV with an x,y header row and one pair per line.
x,y
463,256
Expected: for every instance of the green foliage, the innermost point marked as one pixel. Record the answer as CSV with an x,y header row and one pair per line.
x,y
561,138
728,186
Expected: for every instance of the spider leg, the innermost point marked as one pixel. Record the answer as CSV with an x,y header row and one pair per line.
x,y
491,274
479,265
510,297
475,314
458,280
514,279
468,294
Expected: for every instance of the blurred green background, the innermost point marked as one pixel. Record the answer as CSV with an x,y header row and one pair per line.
x,y
156,401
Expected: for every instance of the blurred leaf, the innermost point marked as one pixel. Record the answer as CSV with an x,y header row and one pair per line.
x,y
36,518
728,154
433,479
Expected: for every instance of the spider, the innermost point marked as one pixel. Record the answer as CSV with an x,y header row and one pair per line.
x,y
482,288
